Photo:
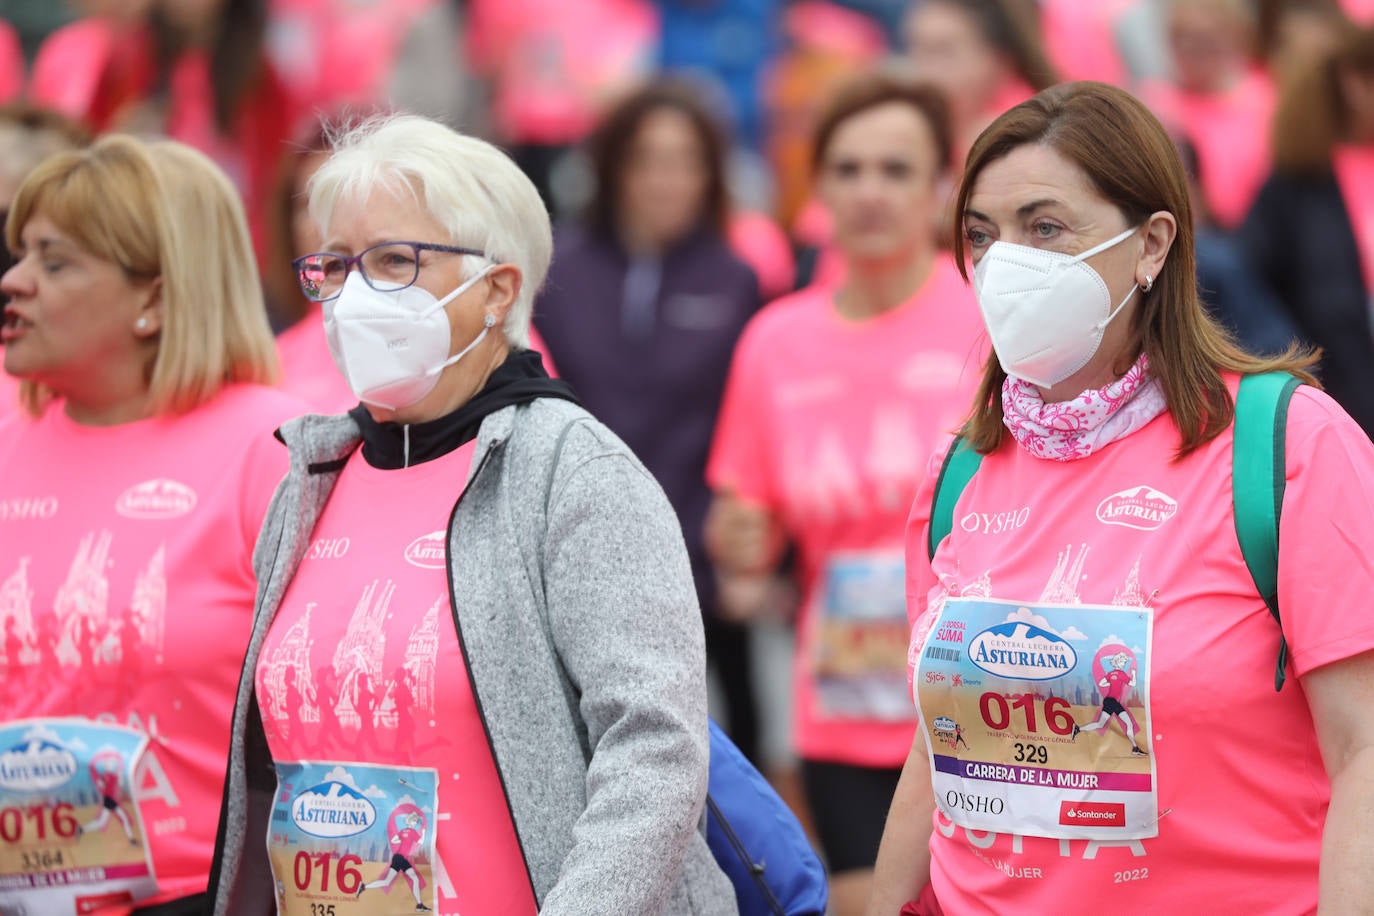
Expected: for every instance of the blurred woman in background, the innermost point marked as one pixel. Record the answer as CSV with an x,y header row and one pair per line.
x,y
1311,230
134,486
834,394
984,55
1217,100
642,309
197,72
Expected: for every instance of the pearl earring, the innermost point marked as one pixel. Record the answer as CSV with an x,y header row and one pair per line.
x,y
141,323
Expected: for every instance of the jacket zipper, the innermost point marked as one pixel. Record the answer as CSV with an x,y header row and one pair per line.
x,y
467,663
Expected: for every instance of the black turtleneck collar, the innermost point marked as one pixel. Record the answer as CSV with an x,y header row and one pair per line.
x,y
519,380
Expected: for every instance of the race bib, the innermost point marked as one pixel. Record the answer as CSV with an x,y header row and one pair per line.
x,y
354,834
859,655
1038,719
71,838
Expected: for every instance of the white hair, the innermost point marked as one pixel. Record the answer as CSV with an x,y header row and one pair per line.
x,y
469,187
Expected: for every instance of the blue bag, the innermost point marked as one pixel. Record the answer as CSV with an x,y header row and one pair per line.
x,y
758,841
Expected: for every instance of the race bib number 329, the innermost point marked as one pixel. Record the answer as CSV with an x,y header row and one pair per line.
x,y
1038,718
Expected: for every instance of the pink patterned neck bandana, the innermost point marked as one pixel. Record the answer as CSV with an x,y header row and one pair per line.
x,y
1073,429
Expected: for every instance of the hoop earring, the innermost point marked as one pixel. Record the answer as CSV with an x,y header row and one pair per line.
x,y
1149,283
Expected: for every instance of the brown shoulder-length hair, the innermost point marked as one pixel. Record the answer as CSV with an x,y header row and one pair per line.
x,y
1312,115
875,88
609,147
1132,163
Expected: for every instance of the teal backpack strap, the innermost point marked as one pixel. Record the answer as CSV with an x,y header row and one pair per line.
x,y
1258,467
960,464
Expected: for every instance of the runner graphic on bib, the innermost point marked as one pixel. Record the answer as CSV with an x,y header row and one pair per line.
x,y
332,850
1114,684
861,638
1037,718
107,770
71,838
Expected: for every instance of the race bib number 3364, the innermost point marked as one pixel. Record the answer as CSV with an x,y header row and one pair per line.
x,y
1038,718
71,838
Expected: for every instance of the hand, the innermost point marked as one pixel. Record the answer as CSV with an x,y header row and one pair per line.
x,y
746,598
742,539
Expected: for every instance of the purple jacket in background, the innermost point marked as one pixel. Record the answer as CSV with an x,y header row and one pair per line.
x,y
647,345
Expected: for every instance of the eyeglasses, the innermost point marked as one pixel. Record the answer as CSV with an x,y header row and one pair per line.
x,y
386,267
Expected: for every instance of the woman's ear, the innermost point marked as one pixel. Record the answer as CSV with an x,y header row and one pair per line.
x,y
503,288
1160,231
148,322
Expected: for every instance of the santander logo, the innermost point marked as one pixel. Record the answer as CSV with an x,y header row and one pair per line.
x,y
155,499
1092,814
427,551
1143,508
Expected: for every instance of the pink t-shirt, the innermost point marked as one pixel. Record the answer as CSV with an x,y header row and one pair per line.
x,y
1230,132
9,395
128,589
1080,39
335,53
362,672
759,242
555,64
1242,792
825,422
1354,169
1359,10
308,370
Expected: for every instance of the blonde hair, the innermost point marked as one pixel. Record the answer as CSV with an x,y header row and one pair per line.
x,y
161,209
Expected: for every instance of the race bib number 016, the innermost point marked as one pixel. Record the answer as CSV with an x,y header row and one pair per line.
x,y
71,838
353,839
1038,718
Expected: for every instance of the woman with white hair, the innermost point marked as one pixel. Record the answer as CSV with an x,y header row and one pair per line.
x,y
475,613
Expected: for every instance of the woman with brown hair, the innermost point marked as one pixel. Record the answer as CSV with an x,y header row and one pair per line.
x,y
1094,565
835,394
984,55
1311,229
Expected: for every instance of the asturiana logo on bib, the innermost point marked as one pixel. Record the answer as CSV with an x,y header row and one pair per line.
x,y
333,810
152,499
1141,507
36,766
427,551
1022,651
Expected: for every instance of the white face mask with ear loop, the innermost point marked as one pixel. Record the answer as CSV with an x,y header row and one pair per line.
x,y
391,346
1045,311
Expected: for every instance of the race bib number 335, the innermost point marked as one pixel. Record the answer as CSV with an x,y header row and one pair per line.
x,y
1038,718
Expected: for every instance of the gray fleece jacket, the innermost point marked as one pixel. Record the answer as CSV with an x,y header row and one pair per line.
x,y
594,704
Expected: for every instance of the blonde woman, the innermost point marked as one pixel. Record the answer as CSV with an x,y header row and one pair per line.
x,y
132,488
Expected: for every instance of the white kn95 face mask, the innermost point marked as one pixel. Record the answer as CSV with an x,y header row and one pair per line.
x,y
392,345
1045,311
